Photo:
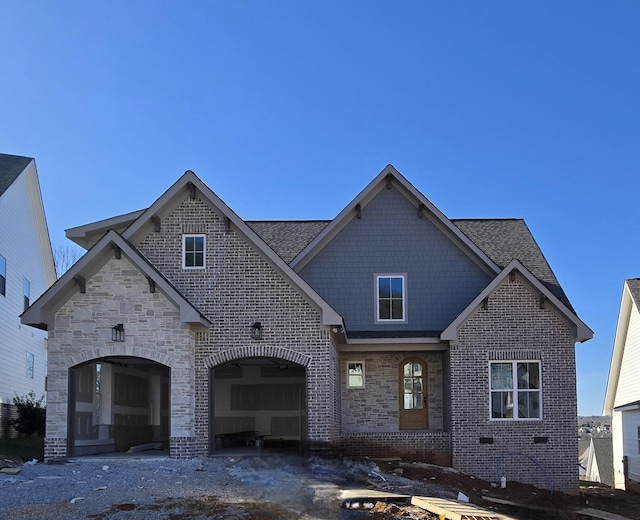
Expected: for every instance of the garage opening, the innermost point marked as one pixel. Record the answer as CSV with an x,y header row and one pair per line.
x,y
258,404
118,404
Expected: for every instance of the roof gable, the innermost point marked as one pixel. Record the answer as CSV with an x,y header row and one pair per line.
x,y
11,166
387,178
189,185
582,331
87,235
628,306
42,312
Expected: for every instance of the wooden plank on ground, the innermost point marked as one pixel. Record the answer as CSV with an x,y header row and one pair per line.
x,y
604,515
372,494
453,510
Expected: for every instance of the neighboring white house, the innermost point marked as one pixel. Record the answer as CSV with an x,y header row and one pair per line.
x,y
26,271
622,399
599,466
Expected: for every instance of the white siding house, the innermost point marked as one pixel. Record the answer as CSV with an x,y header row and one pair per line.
x,y
26,271
622,399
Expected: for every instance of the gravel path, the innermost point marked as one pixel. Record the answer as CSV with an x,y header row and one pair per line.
x,y
265,488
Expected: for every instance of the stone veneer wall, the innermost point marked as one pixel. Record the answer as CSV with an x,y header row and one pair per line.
x,y
119,293
514,327
374,408
239,287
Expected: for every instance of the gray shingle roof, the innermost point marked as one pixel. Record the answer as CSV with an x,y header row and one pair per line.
x,y
501,240
287,238
634,289
603,448
10,167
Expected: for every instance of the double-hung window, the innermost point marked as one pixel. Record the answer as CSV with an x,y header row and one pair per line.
x,y
193,251
391,304
355,374
516,392
3,276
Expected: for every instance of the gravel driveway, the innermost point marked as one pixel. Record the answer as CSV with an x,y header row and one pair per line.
x,y
151,486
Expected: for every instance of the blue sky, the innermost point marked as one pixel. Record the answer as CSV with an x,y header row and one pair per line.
x,y
287,109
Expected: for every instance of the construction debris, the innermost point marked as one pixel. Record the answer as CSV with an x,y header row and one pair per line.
x,y
452,510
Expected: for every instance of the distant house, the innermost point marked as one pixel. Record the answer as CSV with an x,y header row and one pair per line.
x,y
389,330
600,461
623,387
583,457
26,271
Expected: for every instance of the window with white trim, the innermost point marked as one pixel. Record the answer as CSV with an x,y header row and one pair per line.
x,y
516,392
390,298
193,251
355,374
3,276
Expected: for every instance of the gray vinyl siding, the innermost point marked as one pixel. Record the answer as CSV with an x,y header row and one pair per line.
x,y
389,238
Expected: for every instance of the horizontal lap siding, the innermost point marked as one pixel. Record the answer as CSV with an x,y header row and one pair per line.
x,y
20,244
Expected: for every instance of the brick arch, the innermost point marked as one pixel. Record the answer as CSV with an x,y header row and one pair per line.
x,y
138,352
270,351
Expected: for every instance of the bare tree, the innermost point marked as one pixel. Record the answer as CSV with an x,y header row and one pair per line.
x,y
64,256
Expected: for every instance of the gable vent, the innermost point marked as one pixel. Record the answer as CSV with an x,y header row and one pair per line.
x,y
194,227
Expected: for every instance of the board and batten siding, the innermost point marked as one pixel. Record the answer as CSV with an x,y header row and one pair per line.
x,y
22,246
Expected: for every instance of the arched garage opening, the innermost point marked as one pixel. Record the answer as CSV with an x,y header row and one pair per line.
x,y
258,403
118,404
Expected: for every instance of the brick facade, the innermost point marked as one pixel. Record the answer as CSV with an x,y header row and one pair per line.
x,y
237,288
515,327
242,283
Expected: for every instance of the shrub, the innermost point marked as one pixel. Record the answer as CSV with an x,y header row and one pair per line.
x,y
31,415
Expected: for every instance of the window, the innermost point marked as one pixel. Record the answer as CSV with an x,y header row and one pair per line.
x,y
30,363
3,276
515,390
193,252
355,374
390,299
27,293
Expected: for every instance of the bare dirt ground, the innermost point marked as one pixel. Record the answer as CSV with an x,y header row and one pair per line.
x,y
267,488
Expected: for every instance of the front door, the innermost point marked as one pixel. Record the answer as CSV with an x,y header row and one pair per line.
x,y
413,395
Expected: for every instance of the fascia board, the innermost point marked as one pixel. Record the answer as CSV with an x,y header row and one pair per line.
x,y
622,327
82,235
42,229
43,310
328,315
363,198
583,332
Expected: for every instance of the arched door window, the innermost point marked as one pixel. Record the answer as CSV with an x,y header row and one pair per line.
x,y
413,394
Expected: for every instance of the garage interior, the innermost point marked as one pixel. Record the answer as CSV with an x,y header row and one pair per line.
x,y
258,404
118,404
